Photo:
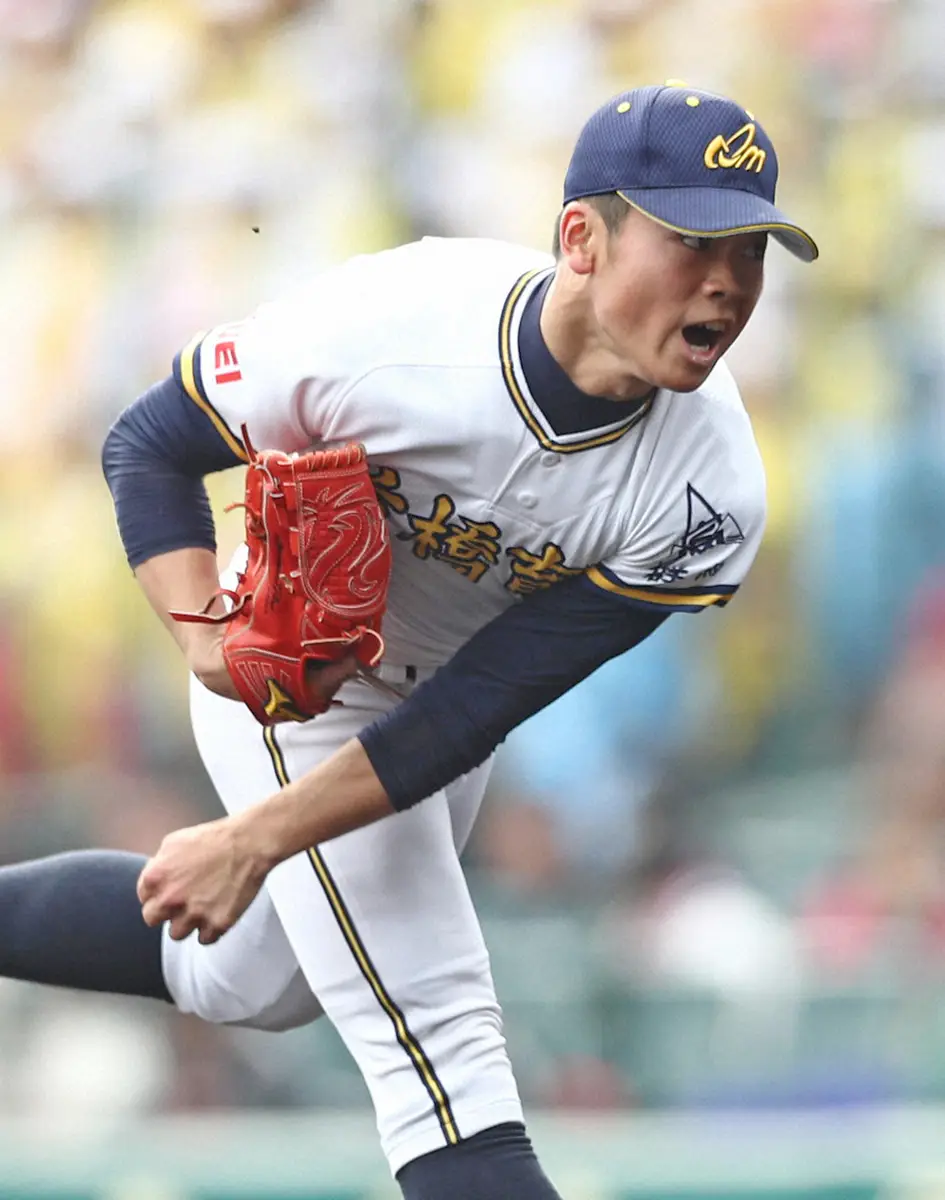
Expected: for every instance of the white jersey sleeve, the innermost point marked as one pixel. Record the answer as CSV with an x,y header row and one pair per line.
x,y
696,523
232,375
277,372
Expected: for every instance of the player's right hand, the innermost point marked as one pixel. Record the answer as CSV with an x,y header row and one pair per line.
x,y
204,653
202,879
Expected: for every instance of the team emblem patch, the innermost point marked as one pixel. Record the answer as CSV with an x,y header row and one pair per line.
x,y
705,529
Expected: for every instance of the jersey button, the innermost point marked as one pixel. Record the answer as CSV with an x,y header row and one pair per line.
x,y
527,499
550,459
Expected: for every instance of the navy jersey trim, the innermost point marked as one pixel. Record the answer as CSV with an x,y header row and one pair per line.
x,y
687,599
517,389
413,1049
187,372
522,660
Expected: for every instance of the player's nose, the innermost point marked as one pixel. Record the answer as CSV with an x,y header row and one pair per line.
x,y
725,276
721,281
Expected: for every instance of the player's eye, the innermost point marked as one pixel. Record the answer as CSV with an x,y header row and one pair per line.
x,y
694,242
757,246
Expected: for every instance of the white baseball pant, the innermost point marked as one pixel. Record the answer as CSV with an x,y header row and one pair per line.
x,y
376,929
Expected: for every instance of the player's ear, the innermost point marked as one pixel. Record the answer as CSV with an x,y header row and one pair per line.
x,y
576,233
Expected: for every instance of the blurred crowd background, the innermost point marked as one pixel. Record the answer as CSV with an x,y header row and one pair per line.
x,y
713,874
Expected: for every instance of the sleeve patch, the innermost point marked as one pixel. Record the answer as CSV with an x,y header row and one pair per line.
x,y
187,369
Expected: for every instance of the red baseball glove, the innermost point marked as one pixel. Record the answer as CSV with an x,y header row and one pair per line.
x,y
315,584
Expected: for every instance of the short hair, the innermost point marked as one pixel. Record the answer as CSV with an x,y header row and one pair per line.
x,y
613,210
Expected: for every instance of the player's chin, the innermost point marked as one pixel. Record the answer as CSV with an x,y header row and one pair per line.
x,y
685,372
682,380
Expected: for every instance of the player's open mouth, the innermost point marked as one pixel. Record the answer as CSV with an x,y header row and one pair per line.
x,y
703,341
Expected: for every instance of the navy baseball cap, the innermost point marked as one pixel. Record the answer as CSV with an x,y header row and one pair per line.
x,y
693,161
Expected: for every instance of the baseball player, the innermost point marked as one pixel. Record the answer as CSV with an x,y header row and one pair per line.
x,y
564,461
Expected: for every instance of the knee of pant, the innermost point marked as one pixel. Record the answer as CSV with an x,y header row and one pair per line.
x,y
296,1006
229,990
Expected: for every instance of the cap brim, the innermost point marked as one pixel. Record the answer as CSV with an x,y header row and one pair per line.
x,y
720,212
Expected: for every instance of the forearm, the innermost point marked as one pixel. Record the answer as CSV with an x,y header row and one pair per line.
x,y
339,795
184,580
154,459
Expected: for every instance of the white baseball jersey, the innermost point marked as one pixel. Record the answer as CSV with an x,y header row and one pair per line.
x,y
414,352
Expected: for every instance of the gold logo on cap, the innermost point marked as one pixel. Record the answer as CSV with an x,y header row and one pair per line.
x,y
737,151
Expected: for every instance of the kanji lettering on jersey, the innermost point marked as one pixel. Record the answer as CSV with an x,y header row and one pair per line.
x,y
387,487
532,572
471,547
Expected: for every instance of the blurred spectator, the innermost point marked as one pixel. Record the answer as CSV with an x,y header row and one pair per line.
x,y
586,1084
881,911
685,921
517,853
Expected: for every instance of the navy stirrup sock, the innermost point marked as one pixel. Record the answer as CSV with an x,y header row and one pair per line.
x,y
497,1164
73,920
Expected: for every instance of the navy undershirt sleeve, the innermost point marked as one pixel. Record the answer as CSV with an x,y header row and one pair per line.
x,y
517,664
154,458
